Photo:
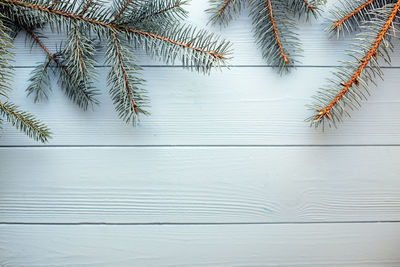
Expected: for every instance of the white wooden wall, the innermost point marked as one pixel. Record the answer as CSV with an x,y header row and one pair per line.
x,y
224,173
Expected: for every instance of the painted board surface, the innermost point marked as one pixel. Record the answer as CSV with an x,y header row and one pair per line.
x,y
225,172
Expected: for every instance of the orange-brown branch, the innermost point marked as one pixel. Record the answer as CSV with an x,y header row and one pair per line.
x,y
223,7
338,23
121,63
271,15
326,111
22,119
309,5
122,10
54,58
113,27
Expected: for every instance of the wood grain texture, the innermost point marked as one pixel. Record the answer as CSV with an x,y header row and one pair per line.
x,y
200,185
241,106
224,175
199,245
319,50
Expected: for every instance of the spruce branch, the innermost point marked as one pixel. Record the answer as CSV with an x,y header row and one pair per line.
x,y
122,9
273,23
105,25
76,86
333,103
152,25
128,98
304,7
157,12
223,11
282,53
276,38
25,122
6,70
350,15
40,85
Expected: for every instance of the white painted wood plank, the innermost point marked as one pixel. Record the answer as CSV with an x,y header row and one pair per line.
x,y
318,48
241,106
194,245
199,184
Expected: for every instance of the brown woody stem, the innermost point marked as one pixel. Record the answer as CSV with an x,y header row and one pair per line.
x,y
338,23
111,26
326,111
309,5
4,107
122,10
223,7
285,57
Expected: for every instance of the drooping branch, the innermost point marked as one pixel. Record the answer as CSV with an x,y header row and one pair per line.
x,y
372,52
121,64
282,54
56,60
117,28
338,23
25,122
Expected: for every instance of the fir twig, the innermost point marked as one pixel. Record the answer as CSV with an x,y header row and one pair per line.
x,y
74,89
333,104
273,23
151,25
25,122
278,40
112,27
338,22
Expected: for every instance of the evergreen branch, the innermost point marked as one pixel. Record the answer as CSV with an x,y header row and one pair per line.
x,y
352,13
361,74
278,40
112,27
149,24
174,5
223,11
338,22
25,122
223,7
6,70
75,89
40,81
121,11
309,5
126,81
304,7
78,47
273,26
128,98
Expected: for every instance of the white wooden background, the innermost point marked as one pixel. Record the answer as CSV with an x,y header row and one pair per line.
x,y
224,173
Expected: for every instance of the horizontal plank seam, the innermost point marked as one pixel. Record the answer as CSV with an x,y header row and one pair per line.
x,y
195,146
200,223
231,66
